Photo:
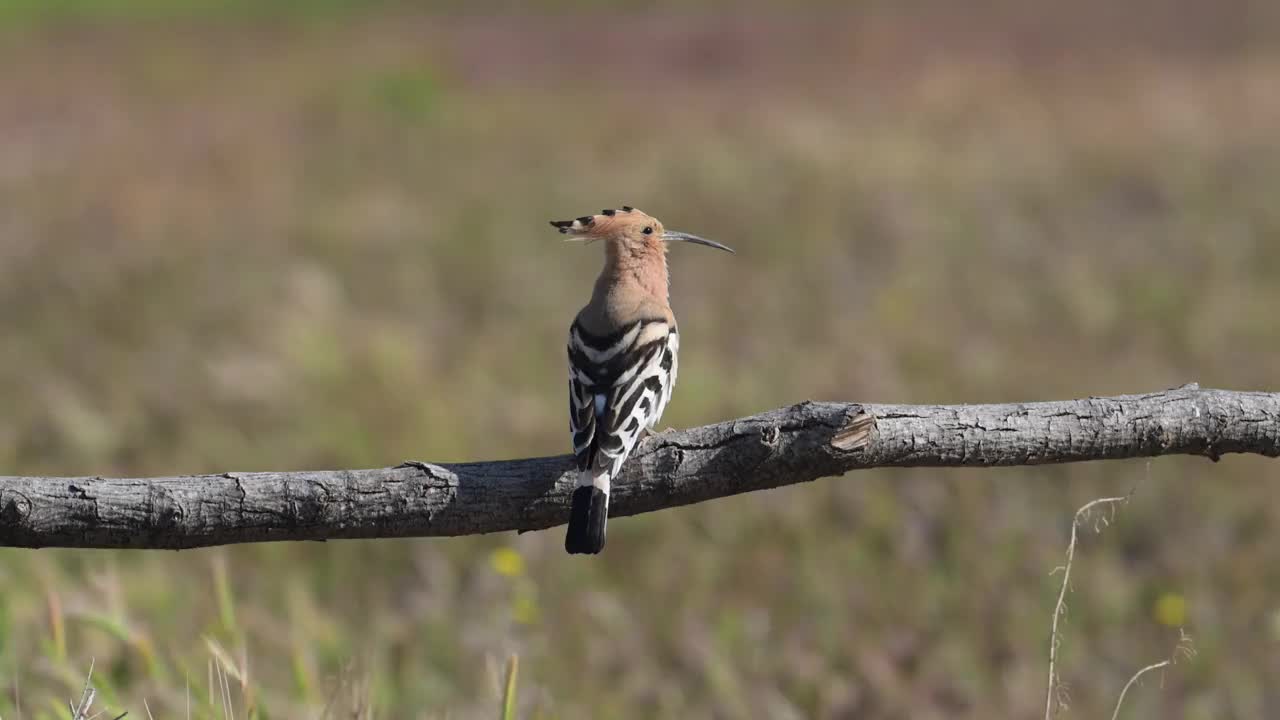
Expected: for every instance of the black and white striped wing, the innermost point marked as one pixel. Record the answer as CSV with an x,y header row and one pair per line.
x,y
618,387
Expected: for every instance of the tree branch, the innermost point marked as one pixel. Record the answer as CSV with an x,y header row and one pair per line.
x,y
785,446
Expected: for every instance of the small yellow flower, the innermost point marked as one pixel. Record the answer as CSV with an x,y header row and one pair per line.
x,y
506,561
1171,609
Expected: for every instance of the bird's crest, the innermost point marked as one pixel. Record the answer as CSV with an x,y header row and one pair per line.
x,y
595,227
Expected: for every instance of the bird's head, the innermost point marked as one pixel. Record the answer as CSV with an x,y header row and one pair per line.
x,y
628,231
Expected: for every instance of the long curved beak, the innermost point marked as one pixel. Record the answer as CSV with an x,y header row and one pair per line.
x,y
670,235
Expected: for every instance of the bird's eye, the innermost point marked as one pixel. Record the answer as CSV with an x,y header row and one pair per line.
x,y
648,231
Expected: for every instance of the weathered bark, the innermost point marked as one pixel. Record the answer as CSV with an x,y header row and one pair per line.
x,y
789,445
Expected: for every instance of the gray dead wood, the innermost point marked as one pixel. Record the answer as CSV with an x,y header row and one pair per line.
x,y
781,447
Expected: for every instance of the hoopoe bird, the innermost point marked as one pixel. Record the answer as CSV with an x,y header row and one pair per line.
x,y
622,358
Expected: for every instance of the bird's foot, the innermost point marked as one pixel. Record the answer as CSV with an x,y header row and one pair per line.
x,y
664,432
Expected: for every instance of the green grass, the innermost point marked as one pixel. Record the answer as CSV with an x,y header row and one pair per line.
x,y
240,246
509,690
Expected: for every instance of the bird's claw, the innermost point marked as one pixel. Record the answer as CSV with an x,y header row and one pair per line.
x,y
664,432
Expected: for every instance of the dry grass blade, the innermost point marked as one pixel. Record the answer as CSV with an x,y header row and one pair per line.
x,y
80,711
224,688
224,659
1184,649
1055,695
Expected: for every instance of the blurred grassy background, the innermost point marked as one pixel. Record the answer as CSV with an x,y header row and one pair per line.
x,y
242,236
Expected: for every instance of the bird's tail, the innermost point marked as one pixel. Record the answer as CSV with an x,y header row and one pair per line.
x,y
589,515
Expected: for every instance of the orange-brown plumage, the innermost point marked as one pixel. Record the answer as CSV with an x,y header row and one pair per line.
x,y
634,280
